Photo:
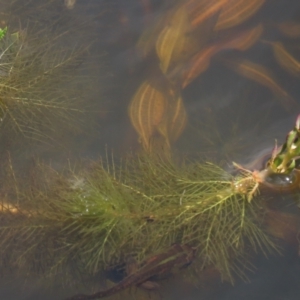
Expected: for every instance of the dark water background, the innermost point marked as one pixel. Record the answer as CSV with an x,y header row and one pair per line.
x,y
245,114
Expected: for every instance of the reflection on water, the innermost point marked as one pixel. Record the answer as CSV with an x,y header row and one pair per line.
x,y
216,80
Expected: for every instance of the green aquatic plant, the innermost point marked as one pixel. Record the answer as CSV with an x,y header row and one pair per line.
x,y
283,160
34,91
280,173
47,73
3,32
91,220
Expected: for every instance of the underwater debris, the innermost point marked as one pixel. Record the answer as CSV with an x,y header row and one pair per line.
x,y
178,256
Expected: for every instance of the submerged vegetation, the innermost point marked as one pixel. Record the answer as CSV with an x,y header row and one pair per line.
x,y
43,77
33,87
98,217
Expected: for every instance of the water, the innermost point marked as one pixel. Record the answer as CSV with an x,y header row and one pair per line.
x,y
230,118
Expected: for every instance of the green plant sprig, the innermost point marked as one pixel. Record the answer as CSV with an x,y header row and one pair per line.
x,y
97,218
